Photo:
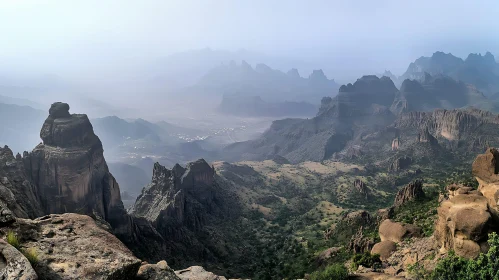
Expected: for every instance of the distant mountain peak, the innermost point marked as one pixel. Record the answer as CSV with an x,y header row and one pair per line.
x,y
293,73
318,75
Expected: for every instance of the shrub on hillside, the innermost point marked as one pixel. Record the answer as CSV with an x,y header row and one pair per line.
x,y
334,271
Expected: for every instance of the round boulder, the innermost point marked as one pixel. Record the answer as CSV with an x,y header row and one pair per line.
x,y
384,249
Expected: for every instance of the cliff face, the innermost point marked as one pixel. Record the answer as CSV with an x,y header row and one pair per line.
x,y
69,170
17,194
184,204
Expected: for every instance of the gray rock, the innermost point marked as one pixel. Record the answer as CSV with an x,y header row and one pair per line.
x,y
14,265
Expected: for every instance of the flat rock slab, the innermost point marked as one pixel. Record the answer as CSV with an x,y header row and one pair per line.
x,y
72,246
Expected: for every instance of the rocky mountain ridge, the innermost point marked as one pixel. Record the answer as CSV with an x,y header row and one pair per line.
x,y
479,70
370,113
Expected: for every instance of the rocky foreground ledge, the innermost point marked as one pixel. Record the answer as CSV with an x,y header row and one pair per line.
x,y
73,246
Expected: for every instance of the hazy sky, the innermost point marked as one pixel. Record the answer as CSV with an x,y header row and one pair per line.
x,y
72,37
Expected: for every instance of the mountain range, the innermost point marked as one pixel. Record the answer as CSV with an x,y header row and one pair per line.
x,y
359,112
482,71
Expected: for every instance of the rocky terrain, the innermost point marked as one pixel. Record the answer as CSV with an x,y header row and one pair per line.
x,y
68,173
372,119
256,219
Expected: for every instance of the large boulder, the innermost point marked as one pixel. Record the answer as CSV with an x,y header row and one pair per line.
x,y
384,249
72,246
159,271
463,223
14,265
396,232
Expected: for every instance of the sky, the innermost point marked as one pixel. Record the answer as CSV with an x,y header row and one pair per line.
x,y
93,38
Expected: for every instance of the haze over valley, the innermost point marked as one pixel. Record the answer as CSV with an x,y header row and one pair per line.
x,y
249,140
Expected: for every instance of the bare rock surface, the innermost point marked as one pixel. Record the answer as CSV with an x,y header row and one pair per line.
x,y
159,271
18,197
69,170
411,192
384,249
197,273
72,246
13,264
396,232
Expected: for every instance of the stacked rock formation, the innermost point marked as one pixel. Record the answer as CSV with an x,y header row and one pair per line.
x,y
392,233
69,170
467,215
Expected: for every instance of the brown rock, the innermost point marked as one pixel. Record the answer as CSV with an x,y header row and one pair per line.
x,y
462,224
395,144
396,232
411,192
485,169
384,249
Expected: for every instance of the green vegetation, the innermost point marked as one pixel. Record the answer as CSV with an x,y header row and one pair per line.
x,y
453,267
366,260
13,240
334,271
421,213
32,255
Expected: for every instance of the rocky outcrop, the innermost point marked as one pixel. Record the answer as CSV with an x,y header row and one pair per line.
x,y
466,215
463,223
69,170
400,163
72,246
391,233
185,205
361,188
425,137
383,214
13,265
360,243
18,197
159,271
411,192
486,169
417,251
172,192
395,144
197,273
396,232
